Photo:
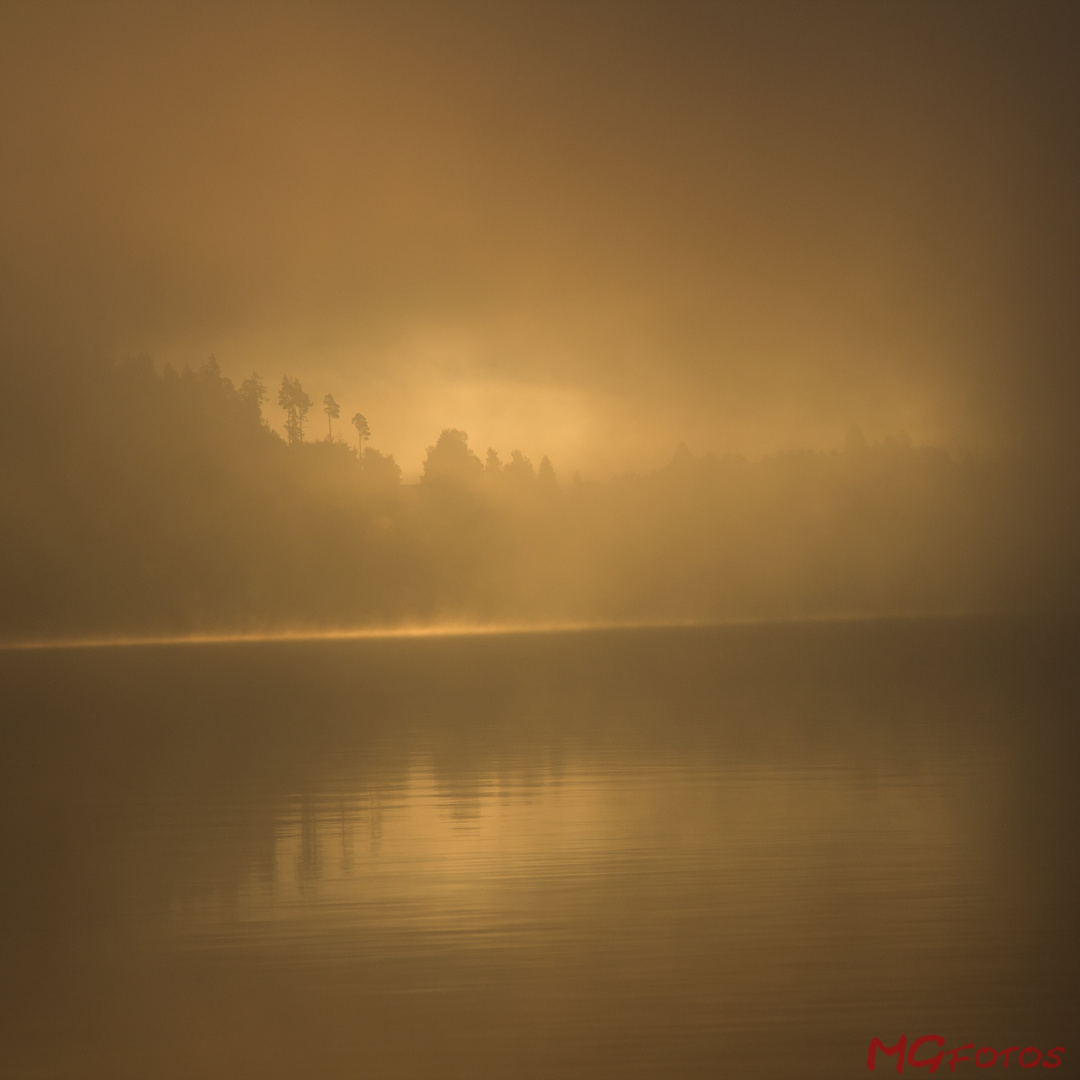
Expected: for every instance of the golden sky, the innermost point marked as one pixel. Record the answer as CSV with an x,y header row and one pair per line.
x,y
590,230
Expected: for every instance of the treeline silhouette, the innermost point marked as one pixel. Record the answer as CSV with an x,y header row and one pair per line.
x,y
139,501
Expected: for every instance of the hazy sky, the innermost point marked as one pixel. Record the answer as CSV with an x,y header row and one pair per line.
x,y
590,230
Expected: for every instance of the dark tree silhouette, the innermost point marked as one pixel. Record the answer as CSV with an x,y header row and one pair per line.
x,y
362,432
295,402
520,470
333,411
253,392
546,475
451,459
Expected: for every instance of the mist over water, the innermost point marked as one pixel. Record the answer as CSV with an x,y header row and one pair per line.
x,y
568,515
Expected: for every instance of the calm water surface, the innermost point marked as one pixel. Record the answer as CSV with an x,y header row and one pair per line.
x,y
735,852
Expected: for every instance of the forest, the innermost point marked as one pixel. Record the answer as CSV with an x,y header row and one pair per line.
x,y
146,501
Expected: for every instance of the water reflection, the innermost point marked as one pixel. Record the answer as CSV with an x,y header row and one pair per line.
x,y
688,853
370,868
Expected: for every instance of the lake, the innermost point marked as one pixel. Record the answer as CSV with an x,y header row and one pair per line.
x,y
701,852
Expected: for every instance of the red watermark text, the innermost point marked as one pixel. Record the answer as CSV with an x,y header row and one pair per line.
x,y
928,1052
